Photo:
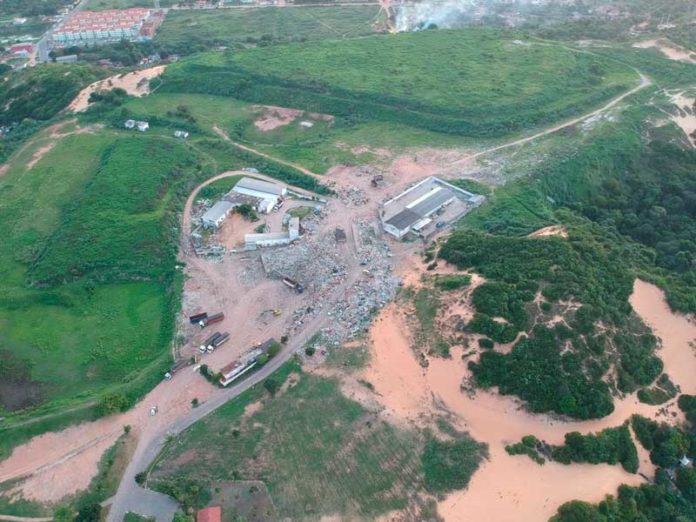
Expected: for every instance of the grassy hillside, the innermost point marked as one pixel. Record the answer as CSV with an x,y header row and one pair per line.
x,y
475,82
188,31
329,456
88,281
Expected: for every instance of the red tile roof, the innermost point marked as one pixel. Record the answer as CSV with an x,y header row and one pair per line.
x,y
210,514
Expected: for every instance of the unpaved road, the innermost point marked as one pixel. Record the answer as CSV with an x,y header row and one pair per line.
x,y
644,82
153,431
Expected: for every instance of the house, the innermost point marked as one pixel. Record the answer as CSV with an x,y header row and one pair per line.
x,y
181,134
23,50
142,126
216,214
209,514
129,124
414,210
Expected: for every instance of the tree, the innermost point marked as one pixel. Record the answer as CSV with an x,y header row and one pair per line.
x,y
271,386
686,482
140,478
577,511
310,350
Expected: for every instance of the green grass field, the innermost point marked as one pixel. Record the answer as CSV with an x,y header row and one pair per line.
x,y
198,30
318,452
86,306
477,82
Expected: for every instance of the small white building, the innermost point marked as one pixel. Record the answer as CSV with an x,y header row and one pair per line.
x,y
143,126
181,134
270,239
129,124
216,214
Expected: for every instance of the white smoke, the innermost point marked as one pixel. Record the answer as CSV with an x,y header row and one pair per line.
x,y
453,14
447,14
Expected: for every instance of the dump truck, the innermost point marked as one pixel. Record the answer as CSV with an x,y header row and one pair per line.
x,y
293,284
222,339
197,318
209,341
212,319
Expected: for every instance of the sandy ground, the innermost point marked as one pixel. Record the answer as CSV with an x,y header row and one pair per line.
x,y
686,116
670,50
554,230
274,117
131,82
510,488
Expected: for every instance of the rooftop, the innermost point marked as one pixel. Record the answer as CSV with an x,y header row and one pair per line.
x,y
261,186
209,514
218,210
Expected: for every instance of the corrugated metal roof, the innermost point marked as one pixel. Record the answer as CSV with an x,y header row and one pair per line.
x,y
403,219
432,202
260,186
217,211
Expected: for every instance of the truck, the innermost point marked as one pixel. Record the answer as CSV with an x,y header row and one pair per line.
x,y
209,342
221,339
211,319
197,318
293,284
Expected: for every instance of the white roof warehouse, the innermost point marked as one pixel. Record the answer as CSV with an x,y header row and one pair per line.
x,y
413,209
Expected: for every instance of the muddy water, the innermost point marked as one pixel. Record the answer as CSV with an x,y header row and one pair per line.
x,y
515,488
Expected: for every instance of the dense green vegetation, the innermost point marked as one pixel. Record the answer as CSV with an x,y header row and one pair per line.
x,y
32,7
539,369
611,446
323,77
530,446
77,262
184,32
328,457
33,96
672,496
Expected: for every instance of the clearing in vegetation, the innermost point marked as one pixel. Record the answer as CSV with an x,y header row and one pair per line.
x,y
401,78
318,452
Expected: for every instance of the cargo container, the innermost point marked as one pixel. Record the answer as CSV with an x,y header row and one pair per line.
x,y
222,339
197,318
212,319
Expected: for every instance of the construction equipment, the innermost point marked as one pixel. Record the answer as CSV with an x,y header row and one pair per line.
x,y
293,284
277,312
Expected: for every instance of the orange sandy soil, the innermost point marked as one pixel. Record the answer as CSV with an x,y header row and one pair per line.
x,y
129,82
275,117
554,230
508,488
686,117
670,50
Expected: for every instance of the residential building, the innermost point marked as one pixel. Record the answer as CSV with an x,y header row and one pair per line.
x,y
209,514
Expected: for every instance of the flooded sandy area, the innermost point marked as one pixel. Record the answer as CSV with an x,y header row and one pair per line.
x,y
670,50
514,488
135,83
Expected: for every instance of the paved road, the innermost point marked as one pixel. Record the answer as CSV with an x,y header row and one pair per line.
x,y
133,498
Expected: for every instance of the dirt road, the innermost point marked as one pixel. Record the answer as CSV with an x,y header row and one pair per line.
x,y
644,82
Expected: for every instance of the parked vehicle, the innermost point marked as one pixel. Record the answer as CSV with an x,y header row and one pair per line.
x,y
293,284
222,339
209,342
197,318
212,319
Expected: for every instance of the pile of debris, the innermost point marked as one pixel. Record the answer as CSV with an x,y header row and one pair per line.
x,y
315,263
352,196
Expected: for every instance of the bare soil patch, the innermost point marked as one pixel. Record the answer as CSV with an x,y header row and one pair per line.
x,y
506,487
554,230
686,116
669,49
135,83
275,117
